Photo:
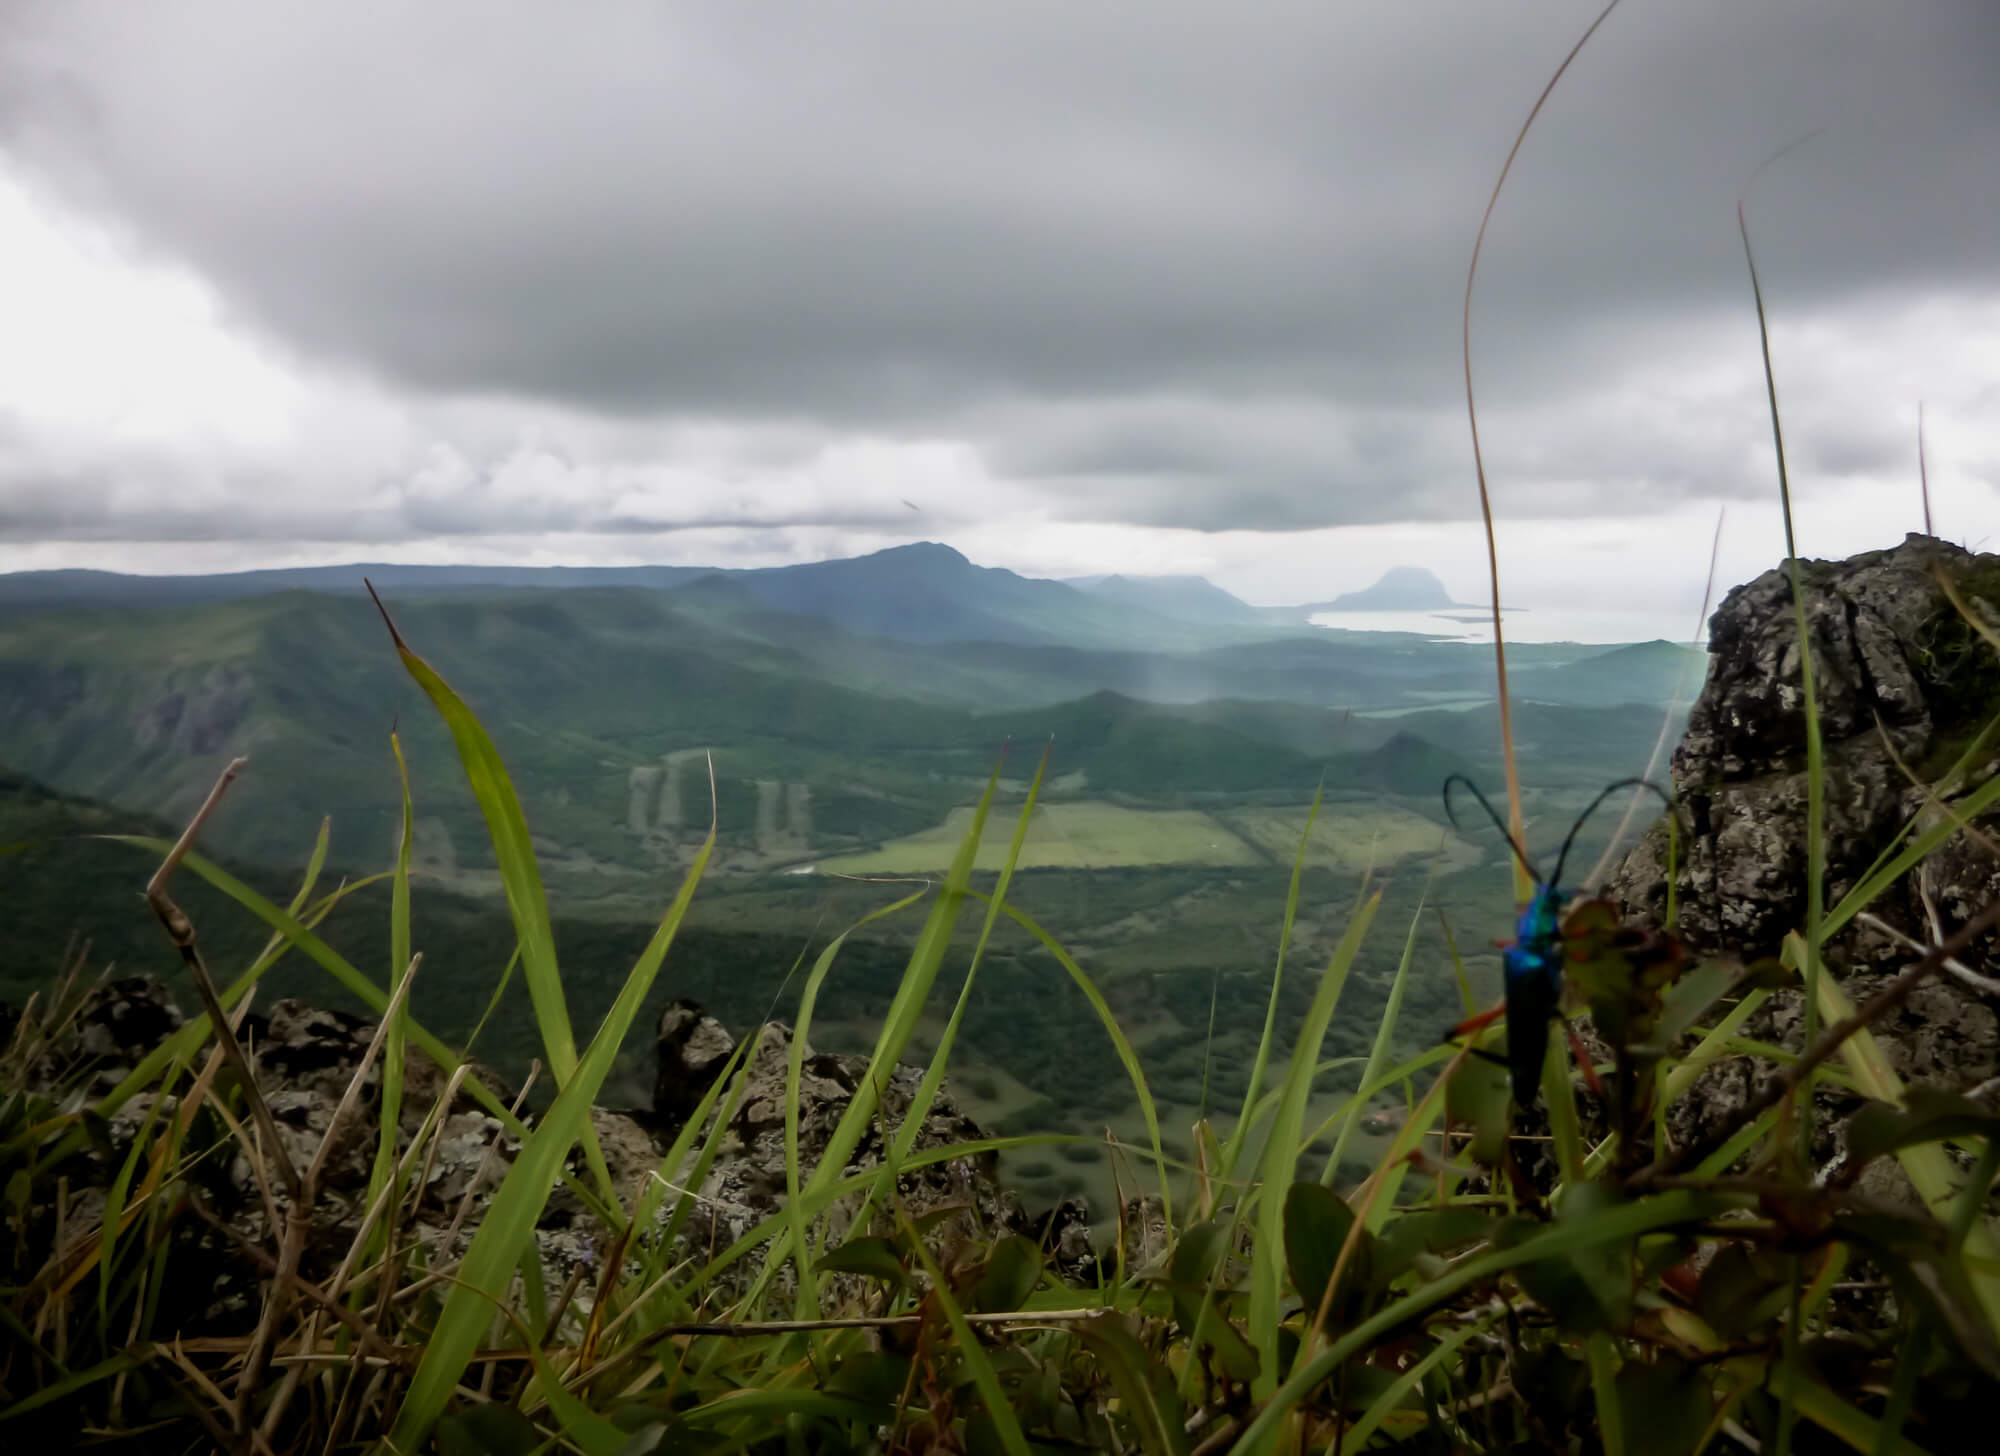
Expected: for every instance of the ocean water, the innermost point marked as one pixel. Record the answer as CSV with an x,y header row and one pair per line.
x,y
1560,624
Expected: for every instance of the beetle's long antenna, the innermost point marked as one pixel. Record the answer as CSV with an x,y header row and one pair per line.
x,y
1498,823
1583,818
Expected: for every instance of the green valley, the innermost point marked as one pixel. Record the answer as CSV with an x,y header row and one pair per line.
x,y
847,741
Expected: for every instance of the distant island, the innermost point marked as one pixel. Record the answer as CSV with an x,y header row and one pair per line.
x,y
1401,589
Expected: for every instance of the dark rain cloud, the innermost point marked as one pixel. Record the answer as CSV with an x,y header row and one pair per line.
x,y
1185,264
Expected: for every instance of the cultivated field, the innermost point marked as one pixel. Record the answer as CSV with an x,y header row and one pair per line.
x,y
1064,836
1095,835
1349,835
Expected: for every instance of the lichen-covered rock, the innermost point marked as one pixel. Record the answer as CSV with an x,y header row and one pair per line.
x,y
747,1182
118,1023
691,1049
1899,674
1900,679
307,1057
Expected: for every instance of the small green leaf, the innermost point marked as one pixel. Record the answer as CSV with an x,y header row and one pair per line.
x,y
1404,1390
1592,1288
487,1430
1428,1231
1198,1251
1928,1115
872,1256
1927,1278
1207,1324
1317,1226
1767,974
1666,1406
1361,1387
1145,1390
1013,1269
1476,1096
1689,999
1740,1290
873,1377
1006,1425
1192,1281
648,1439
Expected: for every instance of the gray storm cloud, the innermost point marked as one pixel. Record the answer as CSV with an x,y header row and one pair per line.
x,y
1195,265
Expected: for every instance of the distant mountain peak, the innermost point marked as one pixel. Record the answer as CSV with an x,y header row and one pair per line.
x,y
1187,598
1399,589
927,551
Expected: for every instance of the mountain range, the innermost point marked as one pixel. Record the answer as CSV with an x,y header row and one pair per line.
x,y
846,702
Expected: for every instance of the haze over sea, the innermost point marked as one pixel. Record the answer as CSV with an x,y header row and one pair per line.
x,y
1558,624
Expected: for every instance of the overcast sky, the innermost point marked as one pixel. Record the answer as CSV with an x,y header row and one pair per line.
x,y
1075,288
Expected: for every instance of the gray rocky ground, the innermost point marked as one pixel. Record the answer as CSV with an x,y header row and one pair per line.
x,y
1905,684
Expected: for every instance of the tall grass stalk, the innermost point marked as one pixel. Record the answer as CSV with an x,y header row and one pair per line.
x,y
1815,784
395,1055
933,1080
1523,887
808,1299
1232,1149
510,1219
520,875
1378,1053
1282,1146
1815,750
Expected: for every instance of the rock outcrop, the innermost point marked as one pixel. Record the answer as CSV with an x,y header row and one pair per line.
x,y
1904,684
305,1057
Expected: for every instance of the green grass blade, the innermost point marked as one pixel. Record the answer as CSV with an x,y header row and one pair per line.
x,y
315,862
1466,1002
1920,848
907,1006
775,1224
1005,1424
1739,1143
807,1302
1131,1369
1612,1225
1127,1057
1559,1092
114,1204
905,1010
1815,753
782,1402
927,1090
1827,1410
1930,1169
1713,1046
1232,1150
1379,1053
1394,1165
395,1046
1601,1353
300,936
513,852
184,1044
70,1384
1357,1436
1282,1147
731,1082
1379,1082
510,1218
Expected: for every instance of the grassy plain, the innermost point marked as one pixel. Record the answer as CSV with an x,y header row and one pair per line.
x,y
1083,835
1354,835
